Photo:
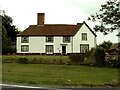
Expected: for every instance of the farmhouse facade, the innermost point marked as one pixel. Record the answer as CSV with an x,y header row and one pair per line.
x,y
55,38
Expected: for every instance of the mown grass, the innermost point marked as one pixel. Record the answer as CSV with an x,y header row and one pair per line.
x,y
57,75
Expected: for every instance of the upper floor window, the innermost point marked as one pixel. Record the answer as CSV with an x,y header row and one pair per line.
x,y
49,39
66,39
24,39
84,36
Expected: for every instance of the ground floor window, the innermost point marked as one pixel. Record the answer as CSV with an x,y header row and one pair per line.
x,y
24,48
84,48
49,49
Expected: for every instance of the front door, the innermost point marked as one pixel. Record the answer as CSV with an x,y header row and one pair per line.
x,y
63,49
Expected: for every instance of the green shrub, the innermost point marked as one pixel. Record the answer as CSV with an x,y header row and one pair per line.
x,y
8,49
23,60
100,56
77,58
112,62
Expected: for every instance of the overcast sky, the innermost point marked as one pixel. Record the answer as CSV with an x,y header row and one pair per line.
x,y
24,13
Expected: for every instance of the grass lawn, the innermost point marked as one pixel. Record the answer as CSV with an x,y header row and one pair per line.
x,y
57,75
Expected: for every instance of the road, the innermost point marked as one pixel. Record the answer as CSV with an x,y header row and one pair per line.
x,y
18,87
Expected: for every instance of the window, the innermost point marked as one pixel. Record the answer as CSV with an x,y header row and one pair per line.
x,y
24,39
66,39
49,39
24,48
84,48
84,36
49,49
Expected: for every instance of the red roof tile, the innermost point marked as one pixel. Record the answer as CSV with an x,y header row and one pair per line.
x,y
115,46
53,29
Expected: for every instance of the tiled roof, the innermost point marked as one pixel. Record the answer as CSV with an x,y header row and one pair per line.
x,y
57,30
115,46
52,30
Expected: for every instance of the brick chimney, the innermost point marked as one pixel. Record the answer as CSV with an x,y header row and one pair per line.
x,y
40,18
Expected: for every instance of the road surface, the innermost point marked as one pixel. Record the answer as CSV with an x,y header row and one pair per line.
x,y
18,87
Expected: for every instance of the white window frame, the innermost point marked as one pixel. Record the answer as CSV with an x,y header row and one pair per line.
x,y
24,48
66,39
84,36
84,48
49,39
49,49
24,39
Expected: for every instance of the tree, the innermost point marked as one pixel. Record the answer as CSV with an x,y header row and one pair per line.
x,y
100,56
6,42
106,45
109,17
9,33
12,31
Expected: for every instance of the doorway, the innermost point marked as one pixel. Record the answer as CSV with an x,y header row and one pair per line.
x,y
63,49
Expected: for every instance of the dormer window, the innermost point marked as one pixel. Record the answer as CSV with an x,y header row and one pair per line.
x,y
24,39
49,39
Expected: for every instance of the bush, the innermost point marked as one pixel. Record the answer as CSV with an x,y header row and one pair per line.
x,y
100,56
77,58
112,62
23,60
8,49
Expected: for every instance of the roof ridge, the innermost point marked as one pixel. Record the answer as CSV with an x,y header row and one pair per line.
x,y
61,24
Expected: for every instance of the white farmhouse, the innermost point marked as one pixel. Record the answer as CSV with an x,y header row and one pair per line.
x,y
55,38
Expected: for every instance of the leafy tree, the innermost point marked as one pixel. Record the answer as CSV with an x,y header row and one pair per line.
x,y
100,56
9,33
109,17
6,42
8,25
106,45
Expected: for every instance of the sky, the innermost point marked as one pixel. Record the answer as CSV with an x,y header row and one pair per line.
x,y
24,13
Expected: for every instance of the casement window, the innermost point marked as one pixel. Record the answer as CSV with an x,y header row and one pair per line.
x,y
24,48
49,49
24,39
84,48
49,39
84,36
66,39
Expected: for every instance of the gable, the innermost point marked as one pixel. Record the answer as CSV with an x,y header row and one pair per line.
x,y
90,29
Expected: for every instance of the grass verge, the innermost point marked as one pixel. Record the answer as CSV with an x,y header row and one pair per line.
x,y
58,75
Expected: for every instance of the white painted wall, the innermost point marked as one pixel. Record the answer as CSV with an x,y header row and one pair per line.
x,y
77,39
18,45
37,44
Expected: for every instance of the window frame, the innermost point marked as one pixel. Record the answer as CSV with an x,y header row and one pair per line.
x,y
85,46
25,39
66,39
84,36
24,48
49,49
49,39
